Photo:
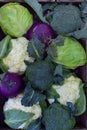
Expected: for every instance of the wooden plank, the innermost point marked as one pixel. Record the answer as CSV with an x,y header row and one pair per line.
x,y
69,0
73,129
44,0
23,1
83,69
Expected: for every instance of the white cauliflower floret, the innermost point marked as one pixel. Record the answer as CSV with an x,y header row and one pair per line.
x,y
15,59
69,91
15,103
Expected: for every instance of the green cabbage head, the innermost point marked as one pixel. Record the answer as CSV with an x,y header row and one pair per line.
x,y
15,19
71,54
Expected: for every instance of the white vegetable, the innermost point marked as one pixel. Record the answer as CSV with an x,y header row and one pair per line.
x,y
15,59
69,91
15,103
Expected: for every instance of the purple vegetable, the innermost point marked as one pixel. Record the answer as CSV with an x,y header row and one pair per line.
x,y
43,31
11,85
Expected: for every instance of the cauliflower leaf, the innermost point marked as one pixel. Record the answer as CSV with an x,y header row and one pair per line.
x,y
36,125
15,118
5,46
3,67
80,106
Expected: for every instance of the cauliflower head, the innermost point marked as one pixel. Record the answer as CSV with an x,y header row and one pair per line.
x,y
15,103
68,92
15,59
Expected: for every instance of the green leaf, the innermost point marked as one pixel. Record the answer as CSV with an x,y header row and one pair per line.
x,y
51,51
36,125
15,118
5,46
67,73
52,94
80,106
58,70
61,74
52,48
83,8
2,75
59,80
80,34
43,105
49,6
36,48
31,96
83,5
37,7
3,67
40,74
71,106
59,40
57,117
48,10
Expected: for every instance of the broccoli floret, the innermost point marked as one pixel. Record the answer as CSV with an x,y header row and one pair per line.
x,y
66,19
40,74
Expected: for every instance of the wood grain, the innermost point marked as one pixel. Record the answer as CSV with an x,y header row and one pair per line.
x,y
69,0
44,0
73,129
23,1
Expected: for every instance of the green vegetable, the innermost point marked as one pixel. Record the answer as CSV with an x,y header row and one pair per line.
x,y
37,7
36,48
58,70
40,74
80,34
15,118
36,125
31,96
43,105
80,106
66,19
52,94
5,46
70,55
71,106
15,19
3,67
57,117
